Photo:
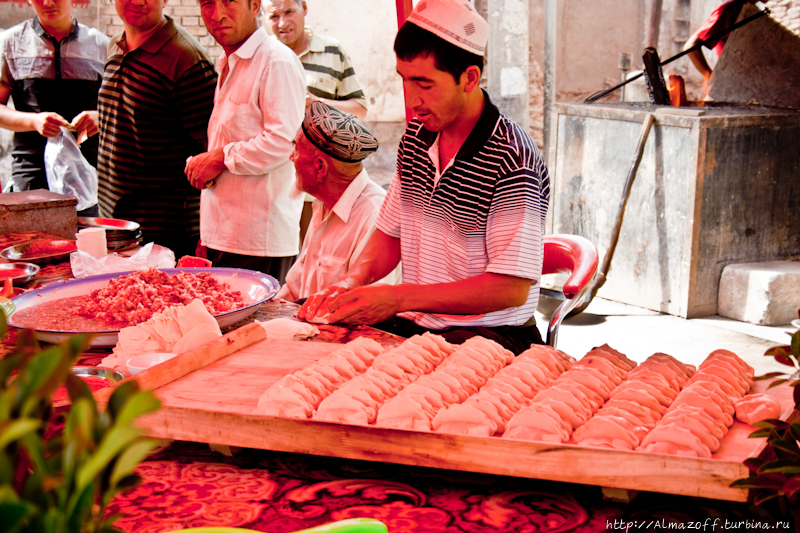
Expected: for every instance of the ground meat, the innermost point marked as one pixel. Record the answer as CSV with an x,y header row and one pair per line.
x,y
134,298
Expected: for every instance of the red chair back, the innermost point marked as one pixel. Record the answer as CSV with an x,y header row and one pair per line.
x,y
570,253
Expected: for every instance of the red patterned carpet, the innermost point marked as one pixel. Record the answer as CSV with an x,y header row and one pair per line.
x,y
188,485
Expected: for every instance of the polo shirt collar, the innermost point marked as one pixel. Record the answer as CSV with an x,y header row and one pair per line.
x,y
344,206
315,45
481,133
40,31
160,37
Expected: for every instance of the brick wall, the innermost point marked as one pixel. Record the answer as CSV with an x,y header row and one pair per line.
x,y
787,12
184,12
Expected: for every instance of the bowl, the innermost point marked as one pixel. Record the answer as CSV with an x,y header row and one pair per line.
x,y
18,272
108,374
147,360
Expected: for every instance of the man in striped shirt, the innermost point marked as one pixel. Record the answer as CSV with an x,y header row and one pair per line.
x,y
155,102
329,73
465,211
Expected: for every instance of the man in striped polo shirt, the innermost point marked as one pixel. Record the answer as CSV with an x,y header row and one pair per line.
x,y
465,211
155,102
329,73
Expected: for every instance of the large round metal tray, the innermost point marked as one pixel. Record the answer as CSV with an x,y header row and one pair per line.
x,y
256,288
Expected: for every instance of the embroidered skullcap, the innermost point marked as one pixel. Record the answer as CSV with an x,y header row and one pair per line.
x,y
455,21
338,134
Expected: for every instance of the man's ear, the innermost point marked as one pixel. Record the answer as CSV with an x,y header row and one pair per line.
x,y
320,167
471,78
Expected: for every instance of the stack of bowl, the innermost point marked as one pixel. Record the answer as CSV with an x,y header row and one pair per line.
x,y
120,234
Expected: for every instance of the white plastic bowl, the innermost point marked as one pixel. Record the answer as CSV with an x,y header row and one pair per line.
x,y
145,361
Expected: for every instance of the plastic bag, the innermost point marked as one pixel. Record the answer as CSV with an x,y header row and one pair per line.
x,y
67,170
151,255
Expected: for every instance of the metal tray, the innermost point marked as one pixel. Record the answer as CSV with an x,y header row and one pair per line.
x,y
44,251
107,223
29,270
256,288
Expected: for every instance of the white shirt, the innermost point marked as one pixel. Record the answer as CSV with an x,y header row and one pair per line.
x,y
255,207
335,239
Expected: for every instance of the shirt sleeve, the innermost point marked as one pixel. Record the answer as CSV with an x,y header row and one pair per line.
x,y
515,227
349,87
720,19
6,78
282,101
194,96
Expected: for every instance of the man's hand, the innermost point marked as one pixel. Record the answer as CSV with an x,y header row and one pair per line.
x,y
48,124
203,168
365,305
309,98
86,125
317,304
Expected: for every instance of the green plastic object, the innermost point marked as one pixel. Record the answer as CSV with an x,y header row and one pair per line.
x,y
7,306
351,525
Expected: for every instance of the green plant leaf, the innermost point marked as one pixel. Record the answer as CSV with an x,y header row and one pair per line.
x,y
120,397
792,486
138,404
780,467
113,442
14,514
796,344
768,376
77,388
79,507
794,431
129,458
778,350
786,445
754,463
777,382
770,423
762,496
17,429
757,482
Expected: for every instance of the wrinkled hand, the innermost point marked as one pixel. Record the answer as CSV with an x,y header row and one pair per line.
x,y
48,124
86,125
203,168
317,304
365,305
309,98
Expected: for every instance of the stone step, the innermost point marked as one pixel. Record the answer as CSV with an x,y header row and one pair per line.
x,y
767,293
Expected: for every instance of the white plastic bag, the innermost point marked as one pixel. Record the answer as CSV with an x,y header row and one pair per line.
x,y
151,255
67,170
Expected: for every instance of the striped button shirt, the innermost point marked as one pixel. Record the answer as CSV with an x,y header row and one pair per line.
x,y
329,72
484,213
154,107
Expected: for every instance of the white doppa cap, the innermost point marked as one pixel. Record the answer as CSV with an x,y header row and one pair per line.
x,y
455,21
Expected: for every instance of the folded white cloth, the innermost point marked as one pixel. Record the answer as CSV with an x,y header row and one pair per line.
x,y
176,329
288,329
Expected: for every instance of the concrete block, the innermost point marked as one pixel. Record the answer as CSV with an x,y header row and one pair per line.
x,y
767,294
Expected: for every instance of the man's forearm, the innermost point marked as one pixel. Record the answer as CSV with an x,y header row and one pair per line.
x,y
348,106
379,257
18,121
480,294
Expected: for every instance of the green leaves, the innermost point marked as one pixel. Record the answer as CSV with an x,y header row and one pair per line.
x,y
779,475
63,484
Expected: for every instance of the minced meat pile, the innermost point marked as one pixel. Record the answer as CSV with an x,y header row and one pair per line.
x,y
134,298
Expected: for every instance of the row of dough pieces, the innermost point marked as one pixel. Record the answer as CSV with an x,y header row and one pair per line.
x,y
478,388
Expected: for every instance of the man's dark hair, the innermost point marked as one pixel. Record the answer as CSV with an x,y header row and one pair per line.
x,y
412,42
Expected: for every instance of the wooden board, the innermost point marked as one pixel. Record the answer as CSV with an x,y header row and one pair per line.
x,y
213,404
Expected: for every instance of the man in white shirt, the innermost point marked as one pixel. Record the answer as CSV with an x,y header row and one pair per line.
x,y
328,155
250,213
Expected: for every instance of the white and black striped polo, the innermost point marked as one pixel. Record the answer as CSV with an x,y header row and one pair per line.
x,y
485,213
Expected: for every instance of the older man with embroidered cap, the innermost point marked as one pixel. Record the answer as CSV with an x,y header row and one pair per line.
x,y
328,157
465,211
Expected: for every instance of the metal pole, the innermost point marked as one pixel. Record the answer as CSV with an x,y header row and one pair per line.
x,y
549,74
